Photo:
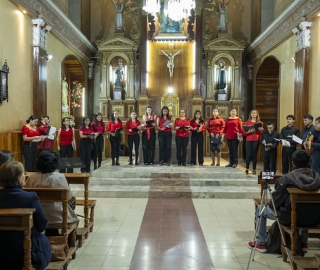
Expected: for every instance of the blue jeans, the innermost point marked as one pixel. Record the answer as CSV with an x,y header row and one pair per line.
x,y
262,233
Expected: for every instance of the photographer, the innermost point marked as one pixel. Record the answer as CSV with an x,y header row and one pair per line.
x,y
300,177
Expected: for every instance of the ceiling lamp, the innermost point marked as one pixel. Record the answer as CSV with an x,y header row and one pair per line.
x,y
178,9
151,6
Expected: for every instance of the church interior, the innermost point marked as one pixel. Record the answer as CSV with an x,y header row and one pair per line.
x,y
123,55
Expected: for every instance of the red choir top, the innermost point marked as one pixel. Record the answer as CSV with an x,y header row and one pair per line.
x,y
130,125
164,128
180,123
99,128
29,132
86,131
148,118
112,127
47,143
232,127
252,136
66,136
194,124
215,125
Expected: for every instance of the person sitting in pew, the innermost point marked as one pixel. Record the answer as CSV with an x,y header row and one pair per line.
x,y
5,155
47,164
12,179
301,177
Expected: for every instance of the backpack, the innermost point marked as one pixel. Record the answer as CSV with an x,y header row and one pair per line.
x,y
274,239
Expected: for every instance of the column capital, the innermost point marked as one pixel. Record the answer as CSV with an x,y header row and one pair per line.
x,y
302,33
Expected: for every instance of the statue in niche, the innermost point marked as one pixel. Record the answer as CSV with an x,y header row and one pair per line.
x,y
119,73
223,20
170,63
221,75
64,98
119,16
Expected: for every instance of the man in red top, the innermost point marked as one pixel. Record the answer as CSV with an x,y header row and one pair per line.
x,y
46,144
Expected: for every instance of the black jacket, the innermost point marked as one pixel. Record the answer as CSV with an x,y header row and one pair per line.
x,y
302,178
286,134
269,138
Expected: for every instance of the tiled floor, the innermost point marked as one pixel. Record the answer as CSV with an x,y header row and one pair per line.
x,y
227,226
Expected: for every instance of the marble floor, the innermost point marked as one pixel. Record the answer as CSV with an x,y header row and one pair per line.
x,y
226,224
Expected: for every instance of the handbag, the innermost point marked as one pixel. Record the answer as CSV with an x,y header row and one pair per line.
x,y
215,140
59,248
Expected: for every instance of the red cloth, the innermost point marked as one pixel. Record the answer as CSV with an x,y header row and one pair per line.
x,y
47,143
152,117
165,128
113,126
194,124
86,131
99,128
179,123
215,125
29,132
252,136
130,124
66,136
232,127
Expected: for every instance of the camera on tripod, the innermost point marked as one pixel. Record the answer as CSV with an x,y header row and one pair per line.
x,y
267,175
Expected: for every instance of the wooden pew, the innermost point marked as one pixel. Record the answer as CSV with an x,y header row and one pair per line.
x,y
19,219
299,196
51,195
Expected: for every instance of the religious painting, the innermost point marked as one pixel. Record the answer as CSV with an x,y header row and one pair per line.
x,y
223,111
119,109
167,24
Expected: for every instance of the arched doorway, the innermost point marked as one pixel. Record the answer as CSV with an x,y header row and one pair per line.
x,y
72,78
267,90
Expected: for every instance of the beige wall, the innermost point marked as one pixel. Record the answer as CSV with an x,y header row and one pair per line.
x,y
16,47
280,6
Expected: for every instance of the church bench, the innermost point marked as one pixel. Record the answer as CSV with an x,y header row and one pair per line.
x,y
51,195
306,263
19,219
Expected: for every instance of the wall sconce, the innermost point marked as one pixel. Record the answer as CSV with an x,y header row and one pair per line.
x,y
4,95
47,57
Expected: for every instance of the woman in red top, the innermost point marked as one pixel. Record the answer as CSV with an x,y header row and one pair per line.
x,y
86,137
149,136
233,133
115,130
164,136
30,132
182,126
252,140
65,140
133,129
197,128
98,127
215,128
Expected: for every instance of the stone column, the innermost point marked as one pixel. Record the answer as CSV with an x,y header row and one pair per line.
x,y
301,81
210,90
130,90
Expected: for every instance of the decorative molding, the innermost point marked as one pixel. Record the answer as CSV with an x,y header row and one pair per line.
x,y
224,44
302,34
62,27
281,28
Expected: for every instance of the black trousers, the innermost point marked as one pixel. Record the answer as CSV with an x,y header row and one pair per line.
x,y
197,142
136,140
165,139
181,144
66,151
30,152
287,153
148,146
233,151
115,146
85,152
270,163
97,149
252,148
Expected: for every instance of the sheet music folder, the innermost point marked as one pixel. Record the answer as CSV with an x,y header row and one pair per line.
x,y
149,123
255,126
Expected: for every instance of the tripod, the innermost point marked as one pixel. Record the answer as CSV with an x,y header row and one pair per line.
x,y
263,210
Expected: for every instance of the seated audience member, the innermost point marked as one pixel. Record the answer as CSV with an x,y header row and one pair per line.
x,y
301,177
5,155
12,179
47,177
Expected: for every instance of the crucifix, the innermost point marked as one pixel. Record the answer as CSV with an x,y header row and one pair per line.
x,y
170,63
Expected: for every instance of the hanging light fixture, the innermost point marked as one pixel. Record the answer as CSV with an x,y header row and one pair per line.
x,y
151,6
178,9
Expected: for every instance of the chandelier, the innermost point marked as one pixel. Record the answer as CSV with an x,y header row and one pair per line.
x,y
178,9
151,6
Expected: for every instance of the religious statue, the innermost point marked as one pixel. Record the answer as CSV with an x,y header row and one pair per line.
x,y
170,63
64,97
119,72
223,20
119,16
221,80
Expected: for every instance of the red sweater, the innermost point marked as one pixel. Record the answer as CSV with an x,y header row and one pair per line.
x,y
180,123
112,127
29,132
47,143
86,131
232,127
130,125
66,136
99,128
164,128
252,137
194,124
215,125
